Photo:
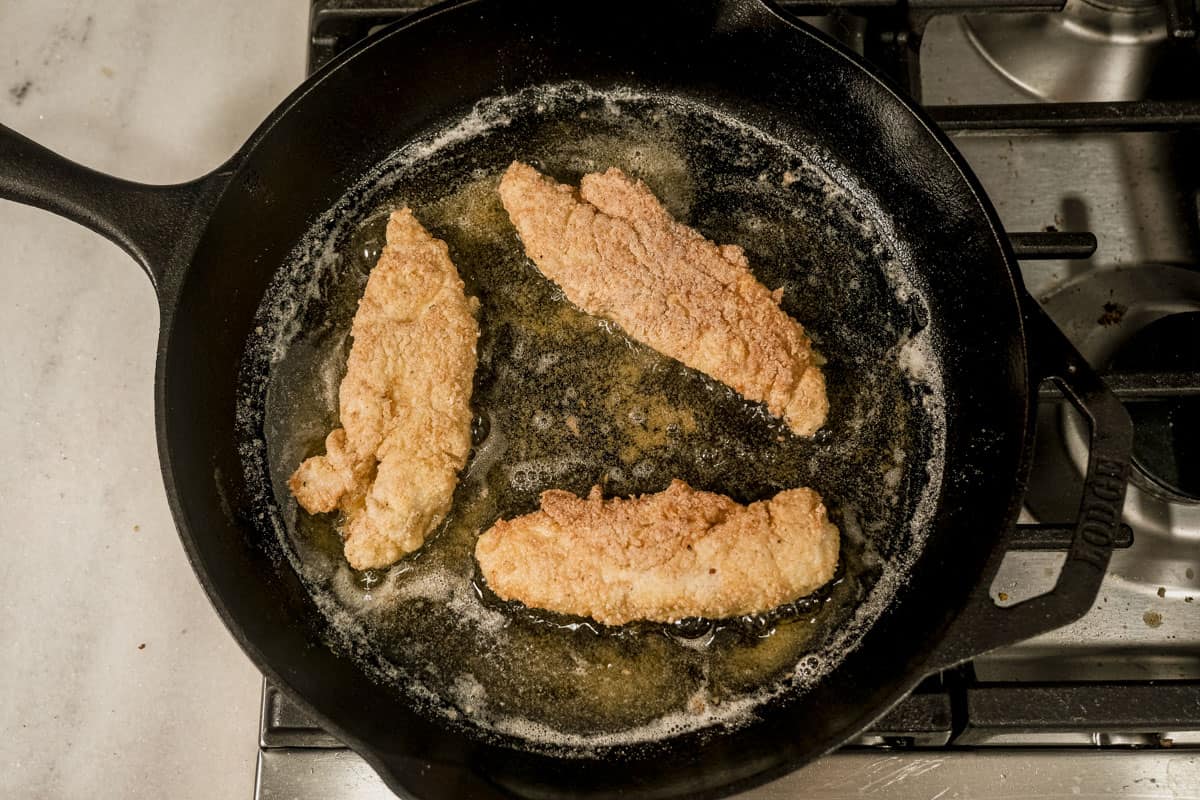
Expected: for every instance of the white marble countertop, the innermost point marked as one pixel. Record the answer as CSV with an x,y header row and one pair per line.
x,y
118,679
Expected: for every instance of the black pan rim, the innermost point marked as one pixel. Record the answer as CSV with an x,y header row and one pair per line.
x,y
264,131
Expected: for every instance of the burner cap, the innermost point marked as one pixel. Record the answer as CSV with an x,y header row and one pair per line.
x,y
1166,440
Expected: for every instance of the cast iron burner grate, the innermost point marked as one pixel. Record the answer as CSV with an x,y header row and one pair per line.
x,y
954,710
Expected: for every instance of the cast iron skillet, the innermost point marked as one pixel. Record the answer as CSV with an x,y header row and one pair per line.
x,y
211,247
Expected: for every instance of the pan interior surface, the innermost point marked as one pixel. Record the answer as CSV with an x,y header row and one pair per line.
x,y
564,400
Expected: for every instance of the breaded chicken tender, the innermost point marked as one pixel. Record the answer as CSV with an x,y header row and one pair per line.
x,y
405,403
618,254
662,557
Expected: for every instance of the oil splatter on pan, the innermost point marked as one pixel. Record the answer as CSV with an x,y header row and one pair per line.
x,y
564,400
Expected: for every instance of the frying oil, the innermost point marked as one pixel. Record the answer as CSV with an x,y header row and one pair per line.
x,y
565,400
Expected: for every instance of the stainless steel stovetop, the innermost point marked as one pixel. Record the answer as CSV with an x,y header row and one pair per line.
x,y
1108,706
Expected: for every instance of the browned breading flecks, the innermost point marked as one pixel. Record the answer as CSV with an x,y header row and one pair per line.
x,y
617,253
405,403
661,557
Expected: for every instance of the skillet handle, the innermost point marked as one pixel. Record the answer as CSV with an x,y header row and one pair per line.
x,y
157,225
984,626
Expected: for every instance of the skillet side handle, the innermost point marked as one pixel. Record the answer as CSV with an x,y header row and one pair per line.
x,y
157,225
984,626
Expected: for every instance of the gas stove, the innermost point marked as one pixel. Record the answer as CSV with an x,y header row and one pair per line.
x,y
1082,121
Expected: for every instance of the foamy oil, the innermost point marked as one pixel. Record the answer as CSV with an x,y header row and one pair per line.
x,y
565,400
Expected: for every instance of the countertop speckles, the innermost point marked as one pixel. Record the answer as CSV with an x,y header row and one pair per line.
x,y
119,680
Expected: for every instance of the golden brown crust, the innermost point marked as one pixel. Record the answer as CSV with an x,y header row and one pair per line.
x,y
404,403
617,253
661,557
